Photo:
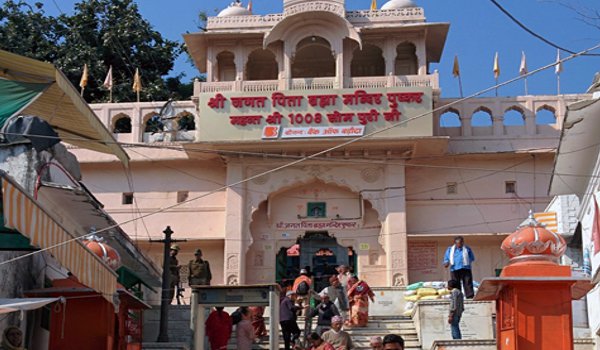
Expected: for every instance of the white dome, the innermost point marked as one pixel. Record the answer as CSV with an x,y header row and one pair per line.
x,y
397,4
235,9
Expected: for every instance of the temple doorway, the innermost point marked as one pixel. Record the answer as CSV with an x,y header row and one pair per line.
x,y
319,253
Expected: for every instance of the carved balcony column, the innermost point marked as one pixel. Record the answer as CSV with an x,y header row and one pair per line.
x,y
389,55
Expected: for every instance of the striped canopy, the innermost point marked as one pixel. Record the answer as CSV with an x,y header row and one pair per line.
x,y
54,99
24,214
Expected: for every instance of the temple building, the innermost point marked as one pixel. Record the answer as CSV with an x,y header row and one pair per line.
x,y
394,171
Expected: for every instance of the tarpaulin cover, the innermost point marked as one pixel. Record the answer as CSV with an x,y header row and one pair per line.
x,y
15,95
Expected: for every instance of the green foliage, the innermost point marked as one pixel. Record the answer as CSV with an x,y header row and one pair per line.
x,y
28,31
100,33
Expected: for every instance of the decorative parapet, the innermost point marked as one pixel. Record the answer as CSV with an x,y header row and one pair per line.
x,y
312,6
235,22
409,14
357,18
430,80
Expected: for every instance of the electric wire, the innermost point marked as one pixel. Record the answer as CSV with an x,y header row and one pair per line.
x,y
540,37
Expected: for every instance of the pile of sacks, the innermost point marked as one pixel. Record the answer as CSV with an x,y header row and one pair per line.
x,y
426,291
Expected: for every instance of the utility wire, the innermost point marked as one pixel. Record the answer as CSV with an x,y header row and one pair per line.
x,y
524,27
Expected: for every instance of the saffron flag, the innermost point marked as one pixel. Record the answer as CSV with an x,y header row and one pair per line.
x,y
373,5
558,68
108,81
456,67
596,228
84,77
250,5
523,66
137,81
496,66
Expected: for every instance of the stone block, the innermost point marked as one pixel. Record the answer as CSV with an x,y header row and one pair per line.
x,y
431,321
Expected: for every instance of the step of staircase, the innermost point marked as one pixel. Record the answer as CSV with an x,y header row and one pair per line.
x,y
377,326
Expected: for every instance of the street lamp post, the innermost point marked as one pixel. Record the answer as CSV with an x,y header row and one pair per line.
x,y
163,333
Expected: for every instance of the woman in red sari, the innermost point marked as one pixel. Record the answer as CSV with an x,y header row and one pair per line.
x,y
359,294
218,329
258,321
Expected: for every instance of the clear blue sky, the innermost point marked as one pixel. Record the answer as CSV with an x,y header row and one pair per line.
x,y
477,30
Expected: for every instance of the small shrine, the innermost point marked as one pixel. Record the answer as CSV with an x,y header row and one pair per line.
x,y
534,293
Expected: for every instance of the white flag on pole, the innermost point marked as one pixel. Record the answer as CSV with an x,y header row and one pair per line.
x,y
523,66
108,81
559,68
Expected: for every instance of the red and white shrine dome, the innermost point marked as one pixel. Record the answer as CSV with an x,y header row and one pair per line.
x,y
105,252
397,4
532,241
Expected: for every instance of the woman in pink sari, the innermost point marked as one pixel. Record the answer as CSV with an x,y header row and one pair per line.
x,y
359,294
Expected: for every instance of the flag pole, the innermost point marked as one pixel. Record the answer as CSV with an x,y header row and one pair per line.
x,y
526,90
496,87
138,96
558,84
460,86
110,95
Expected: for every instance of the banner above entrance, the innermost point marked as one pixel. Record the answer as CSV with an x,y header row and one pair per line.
x,y
312,114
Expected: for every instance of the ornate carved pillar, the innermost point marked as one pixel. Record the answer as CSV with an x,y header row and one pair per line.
x,y
421,57
389,55
394,226
240,59
348,54
211,65
338,53
287,65
235,240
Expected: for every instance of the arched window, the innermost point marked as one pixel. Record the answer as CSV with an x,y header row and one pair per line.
x,y
154,124
514,116
482,117
186,121
313,59
226,66
122,124
367,62
450,119
406,59
545,116
262,65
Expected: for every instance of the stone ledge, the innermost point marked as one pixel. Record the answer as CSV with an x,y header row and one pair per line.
x,y
489,344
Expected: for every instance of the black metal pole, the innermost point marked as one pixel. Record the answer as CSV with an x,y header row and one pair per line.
x,y
163,333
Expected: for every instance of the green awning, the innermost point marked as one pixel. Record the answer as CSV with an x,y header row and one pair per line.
x,y
16,95
128,278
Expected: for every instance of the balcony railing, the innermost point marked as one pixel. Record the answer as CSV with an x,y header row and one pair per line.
x,y
327,83
357,18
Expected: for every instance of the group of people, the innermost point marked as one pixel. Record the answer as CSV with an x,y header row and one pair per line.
x,y
344,302
199,271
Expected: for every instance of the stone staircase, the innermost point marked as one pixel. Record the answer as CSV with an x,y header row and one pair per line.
x,y
378,326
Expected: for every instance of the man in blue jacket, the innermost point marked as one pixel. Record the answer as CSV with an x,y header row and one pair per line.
x,y
459,258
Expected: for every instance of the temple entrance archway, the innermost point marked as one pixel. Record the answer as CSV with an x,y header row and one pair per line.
x,y
309,224
319,253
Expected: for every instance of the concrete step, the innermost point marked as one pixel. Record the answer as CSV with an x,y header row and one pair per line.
x,y
165,346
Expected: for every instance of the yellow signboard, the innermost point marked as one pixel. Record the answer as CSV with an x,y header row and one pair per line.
x,y
311,114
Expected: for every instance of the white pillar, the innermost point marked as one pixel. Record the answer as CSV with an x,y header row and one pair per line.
x,y
235,244
421,57
198,325
389,55
273,320
394,226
